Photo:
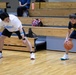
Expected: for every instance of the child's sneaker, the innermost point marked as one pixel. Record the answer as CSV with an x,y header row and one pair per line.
x,y
65,57
32,56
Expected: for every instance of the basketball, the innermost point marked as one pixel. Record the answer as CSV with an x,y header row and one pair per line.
x,y
68,45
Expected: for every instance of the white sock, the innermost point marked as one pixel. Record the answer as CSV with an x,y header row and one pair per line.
x,y
66,54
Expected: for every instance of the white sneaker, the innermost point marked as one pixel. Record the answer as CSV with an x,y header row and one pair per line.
x,y
32,56
65,57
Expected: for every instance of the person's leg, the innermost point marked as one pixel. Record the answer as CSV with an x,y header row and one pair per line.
x,y
1,44
5,34
65,56
32,52
27,42
72,36
20,11
26,10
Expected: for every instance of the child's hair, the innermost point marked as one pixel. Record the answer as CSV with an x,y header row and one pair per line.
x,y
3,15
72,16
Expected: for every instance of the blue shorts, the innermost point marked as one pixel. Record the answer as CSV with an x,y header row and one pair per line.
x,y
73,35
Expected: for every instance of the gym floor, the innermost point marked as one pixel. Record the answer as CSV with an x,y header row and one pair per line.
x,y
46,63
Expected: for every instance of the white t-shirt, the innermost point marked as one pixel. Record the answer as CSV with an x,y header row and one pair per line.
x,y
13,25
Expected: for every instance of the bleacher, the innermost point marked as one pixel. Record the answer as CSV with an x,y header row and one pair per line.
x,y
54,29
47,21
15,44
55,9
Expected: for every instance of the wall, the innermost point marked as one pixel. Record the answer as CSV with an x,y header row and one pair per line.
x,y
56,44
13,4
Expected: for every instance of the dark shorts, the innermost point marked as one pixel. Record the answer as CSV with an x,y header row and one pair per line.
x,y
8,34
73,35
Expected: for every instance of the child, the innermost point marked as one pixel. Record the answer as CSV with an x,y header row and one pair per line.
x,y
71,34
12,24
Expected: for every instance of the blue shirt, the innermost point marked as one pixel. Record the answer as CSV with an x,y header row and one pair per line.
x,y
25,1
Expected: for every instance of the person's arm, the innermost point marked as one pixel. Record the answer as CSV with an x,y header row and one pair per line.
x,y
21,4
18,25
21,32
69,31
68,34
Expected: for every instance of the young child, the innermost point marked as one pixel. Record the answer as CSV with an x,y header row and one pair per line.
x,y
71,34
12,24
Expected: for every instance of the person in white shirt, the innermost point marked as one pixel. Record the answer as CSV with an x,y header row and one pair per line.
x,y
11,24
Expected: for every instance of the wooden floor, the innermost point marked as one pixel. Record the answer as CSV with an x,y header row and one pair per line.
x,y
46,63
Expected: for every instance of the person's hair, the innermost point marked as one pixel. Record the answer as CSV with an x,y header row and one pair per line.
x,y
3,15
72,16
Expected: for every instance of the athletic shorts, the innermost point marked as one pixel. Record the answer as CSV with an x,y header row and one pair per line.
x,y
8,34
73,35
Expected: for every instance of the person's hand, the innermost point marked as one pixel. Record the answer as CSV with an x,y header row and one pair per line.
x,y
25,4
66,40
24,40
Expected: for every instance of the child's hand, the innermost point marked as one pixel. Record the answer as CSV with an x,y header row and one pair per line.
x,y
24,40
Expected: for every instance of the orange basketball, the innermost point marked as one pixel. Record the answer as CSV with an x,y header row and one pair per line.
x,y
68,45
